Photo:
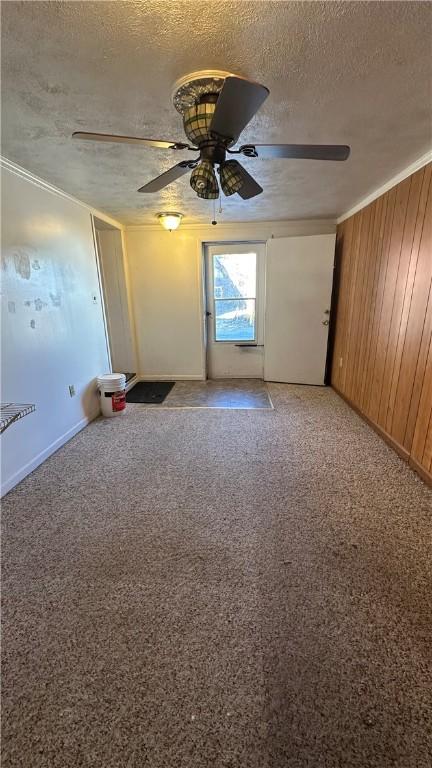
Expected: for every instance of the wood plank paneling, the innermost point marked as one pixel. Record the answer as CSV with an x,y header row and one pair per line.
x,y
409,263
382,355
381,256
379,356
396,334
407,429
421,446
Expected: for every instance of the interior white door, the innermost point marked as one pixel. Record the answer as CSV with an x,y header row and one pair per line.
x,y
235,310
299,279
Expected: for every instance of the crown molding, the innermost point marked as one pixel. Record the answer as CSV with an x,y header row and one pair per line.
x,y
234,226
42,184
408,171
224,227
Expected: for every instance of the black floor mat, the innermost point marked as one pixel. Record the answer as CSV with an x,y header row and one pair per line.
x,y
149,392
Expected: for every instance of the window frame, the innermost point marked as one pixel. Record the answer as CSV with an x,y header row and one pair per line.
x,y
236,249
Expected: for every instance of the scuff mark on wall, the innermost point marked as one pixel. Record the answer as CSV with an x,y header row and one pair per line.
x,y
39,305
22,265
55,300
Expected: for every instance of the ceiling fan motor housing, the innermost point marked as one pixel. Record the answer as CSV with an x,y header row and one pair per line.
x,y
195,97
197,120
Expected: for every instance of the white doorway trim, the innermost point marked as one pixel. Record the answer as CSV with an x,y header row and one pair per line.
x,y
101,288
206,248
114,286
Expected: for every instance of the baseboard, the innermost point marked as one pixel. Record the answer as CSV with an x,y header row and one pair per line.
x,y
257,377
424,474
397,447
11,482
400,450
171,377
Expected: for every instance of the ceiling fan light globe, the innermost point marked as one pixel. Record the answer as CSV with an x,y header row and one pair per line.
x,y
203,181
209,195
230,178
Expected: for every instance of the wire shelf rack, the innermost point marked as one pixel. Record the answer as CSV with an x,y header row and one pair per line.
x,y
10,412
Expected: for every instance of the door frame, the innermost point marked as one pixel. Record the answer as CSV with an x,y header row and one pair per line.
x,y
101,287
99,225
260,299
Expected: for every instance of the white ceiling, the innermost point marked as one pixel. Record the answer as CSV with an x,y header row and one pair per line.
x,y
356,73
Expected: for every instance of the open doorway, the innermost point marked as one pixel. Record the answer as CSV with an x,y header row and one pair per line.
x,y
235,291
114,289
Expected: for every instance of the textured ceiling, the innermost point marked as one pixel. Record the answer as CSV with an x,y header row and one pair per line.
x,y
356,73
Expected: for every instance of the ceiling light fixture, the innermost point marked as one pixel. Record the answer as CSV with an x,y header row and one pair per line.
x,y
170,220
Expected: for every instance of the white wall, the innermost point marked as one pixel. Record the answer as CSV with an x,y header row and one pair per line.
x,y
165,271
53,332
165,286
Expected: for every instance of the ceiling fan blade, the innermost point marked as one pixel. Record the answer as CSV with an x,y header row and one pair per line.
x,y
250,187
302,151
155,185
158,143
237,103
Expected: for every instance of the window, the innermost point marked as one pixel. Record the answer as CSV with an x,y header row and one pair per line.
x,y
234,293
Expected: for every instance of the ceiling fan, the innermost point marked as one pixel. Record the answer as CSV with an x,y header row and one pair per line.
x,y
216,107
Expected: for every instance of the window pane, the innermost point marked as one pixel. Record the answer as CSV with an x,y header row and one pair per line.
x,y
235,320
234,275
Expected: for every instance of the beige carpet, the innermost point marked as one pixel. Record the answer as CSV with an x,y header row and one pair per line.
x,y
225,589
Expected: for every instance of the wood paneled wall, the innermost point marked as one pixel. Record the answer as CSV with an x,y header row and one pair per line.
x,y
382,349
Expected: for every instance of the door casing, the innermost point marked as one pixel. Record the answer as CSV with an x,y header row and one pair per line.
x,y
235,359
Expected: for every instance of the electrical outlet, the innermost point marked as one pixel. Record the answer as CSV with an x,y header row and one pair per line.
x,y
71,390
340,362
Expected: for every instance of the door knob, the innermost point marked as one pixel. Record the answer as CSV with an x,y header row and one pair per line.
x,y
208,314
325,322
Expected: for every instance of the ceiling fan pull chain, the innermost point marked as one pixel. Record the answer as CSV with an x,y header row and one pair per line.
x,y
214,222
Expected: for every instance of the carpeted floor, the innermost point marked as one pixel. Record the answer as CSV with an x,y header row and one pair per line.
x,y
219,589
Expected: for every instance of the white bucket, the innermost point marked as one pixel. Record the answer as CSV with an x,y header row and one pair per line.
x,y
112,393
